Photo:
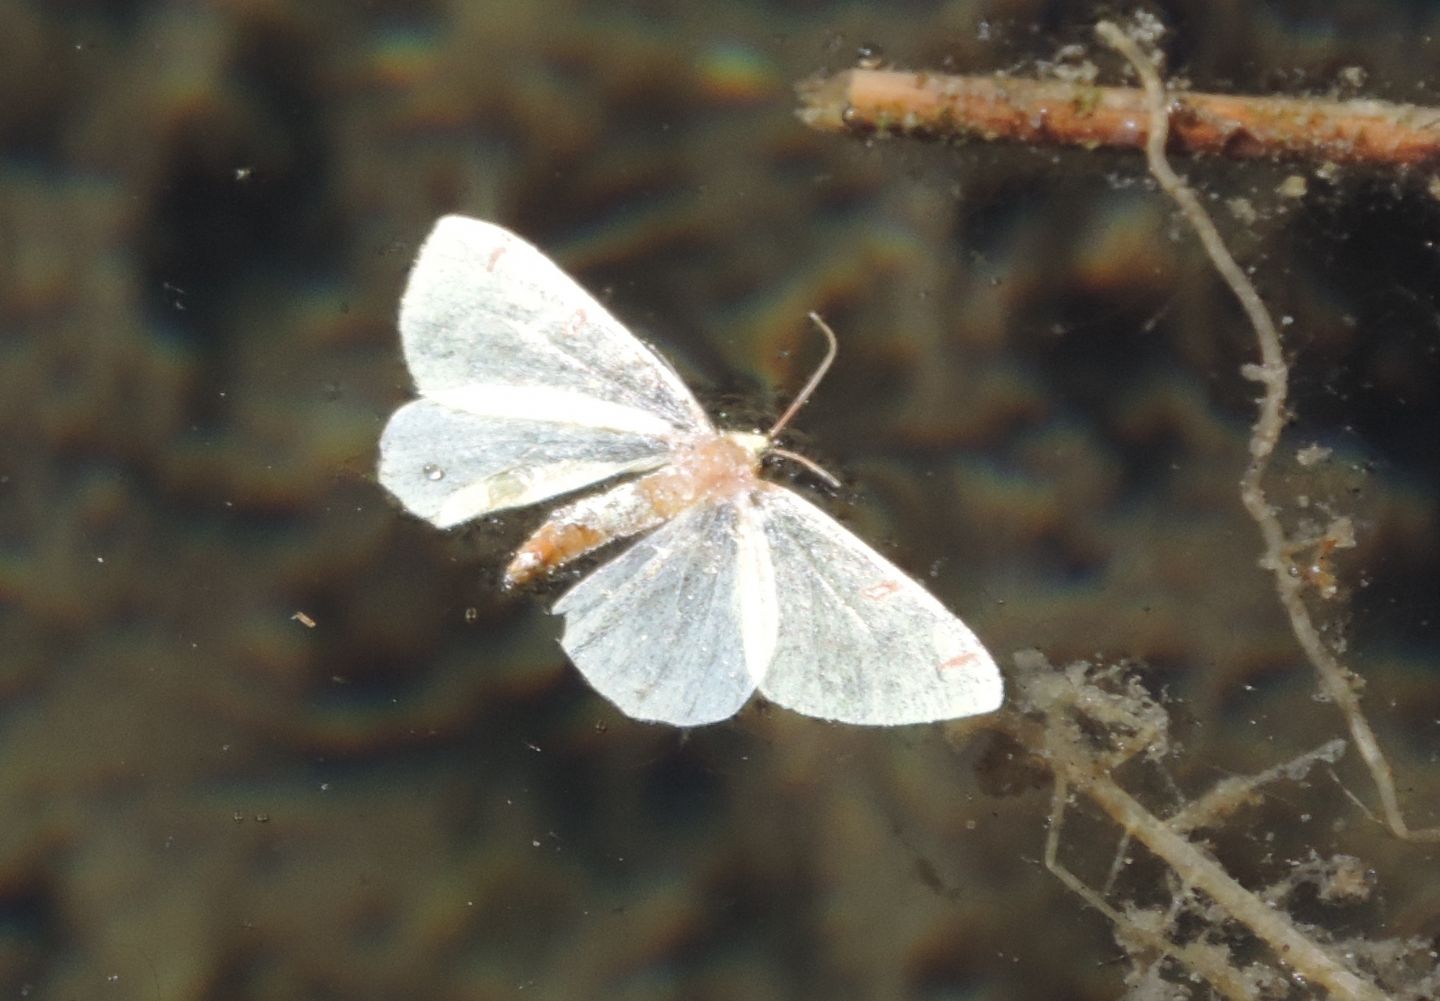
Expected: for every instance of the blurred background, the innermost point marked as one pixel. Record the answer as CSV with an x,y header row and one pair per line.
x,y
264,736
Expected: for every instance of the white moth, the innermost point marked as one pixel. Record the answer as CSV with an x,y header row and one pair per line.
x,y
530,389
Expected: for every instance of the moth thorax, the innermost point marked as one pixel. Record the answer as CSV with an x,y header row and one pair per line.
x,y
753,443
719,466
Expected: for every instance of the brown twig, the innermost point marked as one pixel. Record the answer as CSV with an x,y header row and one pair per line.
x,y
1273,374
1069,113
1077,703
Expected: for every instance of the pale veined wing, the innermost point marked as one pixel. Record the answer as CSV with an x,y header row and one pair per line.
x,y
528,387
767,590
449,466
858,640
678,628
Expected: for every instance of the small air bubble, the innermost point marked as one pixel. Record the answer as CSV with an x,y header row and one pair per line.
x,y
433,472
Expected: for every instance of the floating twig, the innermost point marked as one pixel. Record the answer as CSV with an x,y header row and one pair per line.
x,y
1076,113
1077,703
1273,374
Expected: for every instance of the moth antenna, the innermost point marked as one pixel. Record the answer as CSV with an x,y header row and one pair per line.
x,y
809,464
804,393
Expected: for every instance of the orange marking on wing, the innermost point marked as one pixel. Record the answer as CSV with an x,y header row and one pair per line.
x,y
883,589
958,662
495,256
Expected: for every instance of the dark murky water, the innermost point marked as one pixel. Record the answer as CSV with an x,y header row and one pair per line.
x,y
262,735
